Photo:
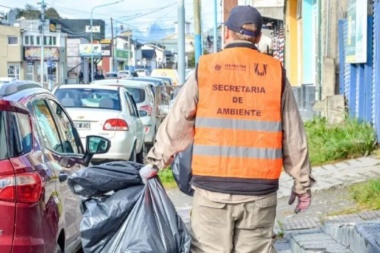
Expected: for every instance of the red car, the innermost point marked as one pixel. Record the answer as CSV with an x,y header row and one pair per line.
x,y
39,149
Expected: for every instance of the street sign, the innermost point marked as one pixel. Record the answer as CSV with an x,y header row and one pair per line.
x,y
95,29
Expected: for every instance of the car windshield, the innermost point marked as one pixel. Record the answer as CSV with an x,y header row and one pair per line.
x,y
111,75
155,82
137,94
89,98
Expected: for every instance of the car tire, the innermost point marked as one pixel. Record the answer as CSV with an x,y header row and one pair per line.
x,y
132,158
142,154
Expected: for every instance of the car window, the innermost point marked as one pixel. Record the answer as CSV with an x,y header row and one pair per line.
x,y
129,99
69,136
19,135
134,106
46,126
3,140
150,94
89,98
137,94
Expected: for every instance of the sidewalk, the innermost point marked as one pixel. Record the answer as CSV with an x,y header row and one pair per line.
x,y
296,229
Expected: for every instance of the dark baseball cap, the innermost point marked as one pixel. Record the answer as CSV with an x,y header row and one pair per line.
x,y
244,14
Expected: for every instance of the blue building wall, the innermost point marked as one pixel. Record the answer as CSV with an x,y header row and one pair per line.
x,y
308,37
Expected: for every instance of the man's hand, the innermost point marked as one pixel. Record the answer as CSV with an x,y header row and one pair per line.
x,y
147,172
304,201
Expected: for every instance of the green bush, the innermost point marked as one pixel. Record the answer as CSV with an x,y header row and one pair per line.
x,y
329,143
367,194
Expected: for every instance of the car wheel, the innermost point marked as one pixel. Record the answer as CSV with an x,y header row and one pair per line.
x,y
132,158
142,154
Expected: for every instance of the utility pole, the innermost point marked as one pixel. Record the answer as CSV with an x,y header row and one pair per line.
x,y
42,30
197,30
113,47
181,42
129,48
215,26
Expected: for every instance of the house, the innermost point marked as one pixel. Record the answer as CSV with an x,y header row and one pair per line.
x,y
11,53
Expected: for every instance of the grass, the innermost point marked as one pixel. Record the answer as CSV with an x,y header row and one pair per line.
x,y
332,143
167,179
366,196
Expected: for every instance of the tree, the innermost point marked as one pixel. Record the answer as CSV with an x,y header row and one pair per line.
x,y
31,12
191,62
52,13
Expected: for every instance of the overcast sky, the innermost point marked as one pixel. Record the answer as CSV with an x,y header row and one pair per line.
x,y
133,13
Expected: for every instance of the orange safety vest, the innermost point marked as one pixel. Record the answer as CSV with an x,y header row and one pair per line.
x,y
238,128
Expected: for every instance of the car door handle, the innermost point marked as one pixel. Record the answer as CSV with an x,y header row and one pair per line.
x,y
63,176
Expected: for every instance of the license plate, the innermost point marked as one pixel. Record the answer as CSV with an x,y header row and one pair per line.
x,y
83,125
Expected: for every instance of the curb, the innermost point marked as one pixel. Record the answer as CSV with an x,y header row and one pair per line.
x,y
362,237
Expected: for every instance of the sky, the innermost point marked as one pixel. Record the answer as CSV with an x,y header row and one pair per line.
x,y
137,15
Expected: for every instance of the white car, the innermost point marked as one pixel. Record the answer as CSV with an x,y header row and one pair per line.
x,y
124,74
142,72
108,111
7,80
142,94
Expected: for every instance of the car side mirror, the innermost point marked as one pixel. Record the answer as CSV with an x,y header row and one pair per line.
x,y
95,145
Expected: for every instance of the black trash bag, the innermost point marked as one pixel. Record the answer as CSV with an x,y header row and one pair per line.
x,y
153,226
103,178
182,173
103,216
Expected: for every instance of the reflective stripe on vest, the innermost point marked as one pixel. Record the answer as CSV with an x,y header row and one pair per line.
x,y
238,128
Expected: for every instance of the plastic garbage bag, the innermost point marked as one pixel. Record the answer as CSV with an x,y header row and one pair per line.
x,y
103,178
102,217
181,168
137,218
153,226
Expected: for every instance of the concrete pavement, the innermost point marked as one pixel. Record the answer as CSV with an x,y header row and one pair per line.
x,y
297,228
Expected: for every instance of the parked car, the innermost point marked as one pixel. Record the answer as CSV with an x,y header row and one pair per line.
x,y
142,72
107,111
172,73
154,82
40,148
111,75
7,79
144,98
124,74
167,80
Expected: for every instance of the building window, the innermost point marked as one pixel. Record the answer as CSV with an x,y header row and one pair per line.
x,y
31,40
12,40
26,40
30,72
54,41
14,71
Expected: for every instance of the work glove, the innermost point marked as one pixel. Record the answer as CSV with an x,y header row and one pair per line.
x,y
147,172
304,201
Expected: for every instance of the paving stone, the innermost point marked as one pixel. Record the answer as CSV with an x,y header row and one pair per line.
x,y
341,165
355,162
369,161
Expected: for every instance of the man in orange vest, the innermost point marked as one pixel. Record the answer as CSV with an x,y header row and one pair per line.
x,y
239,111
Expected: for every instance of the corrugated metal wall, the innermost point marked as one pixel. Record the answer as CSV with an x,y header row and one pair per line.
x,y
360,83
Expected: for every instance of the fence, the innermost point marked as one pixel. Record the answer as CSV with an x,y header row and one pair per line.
x,y
360,83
